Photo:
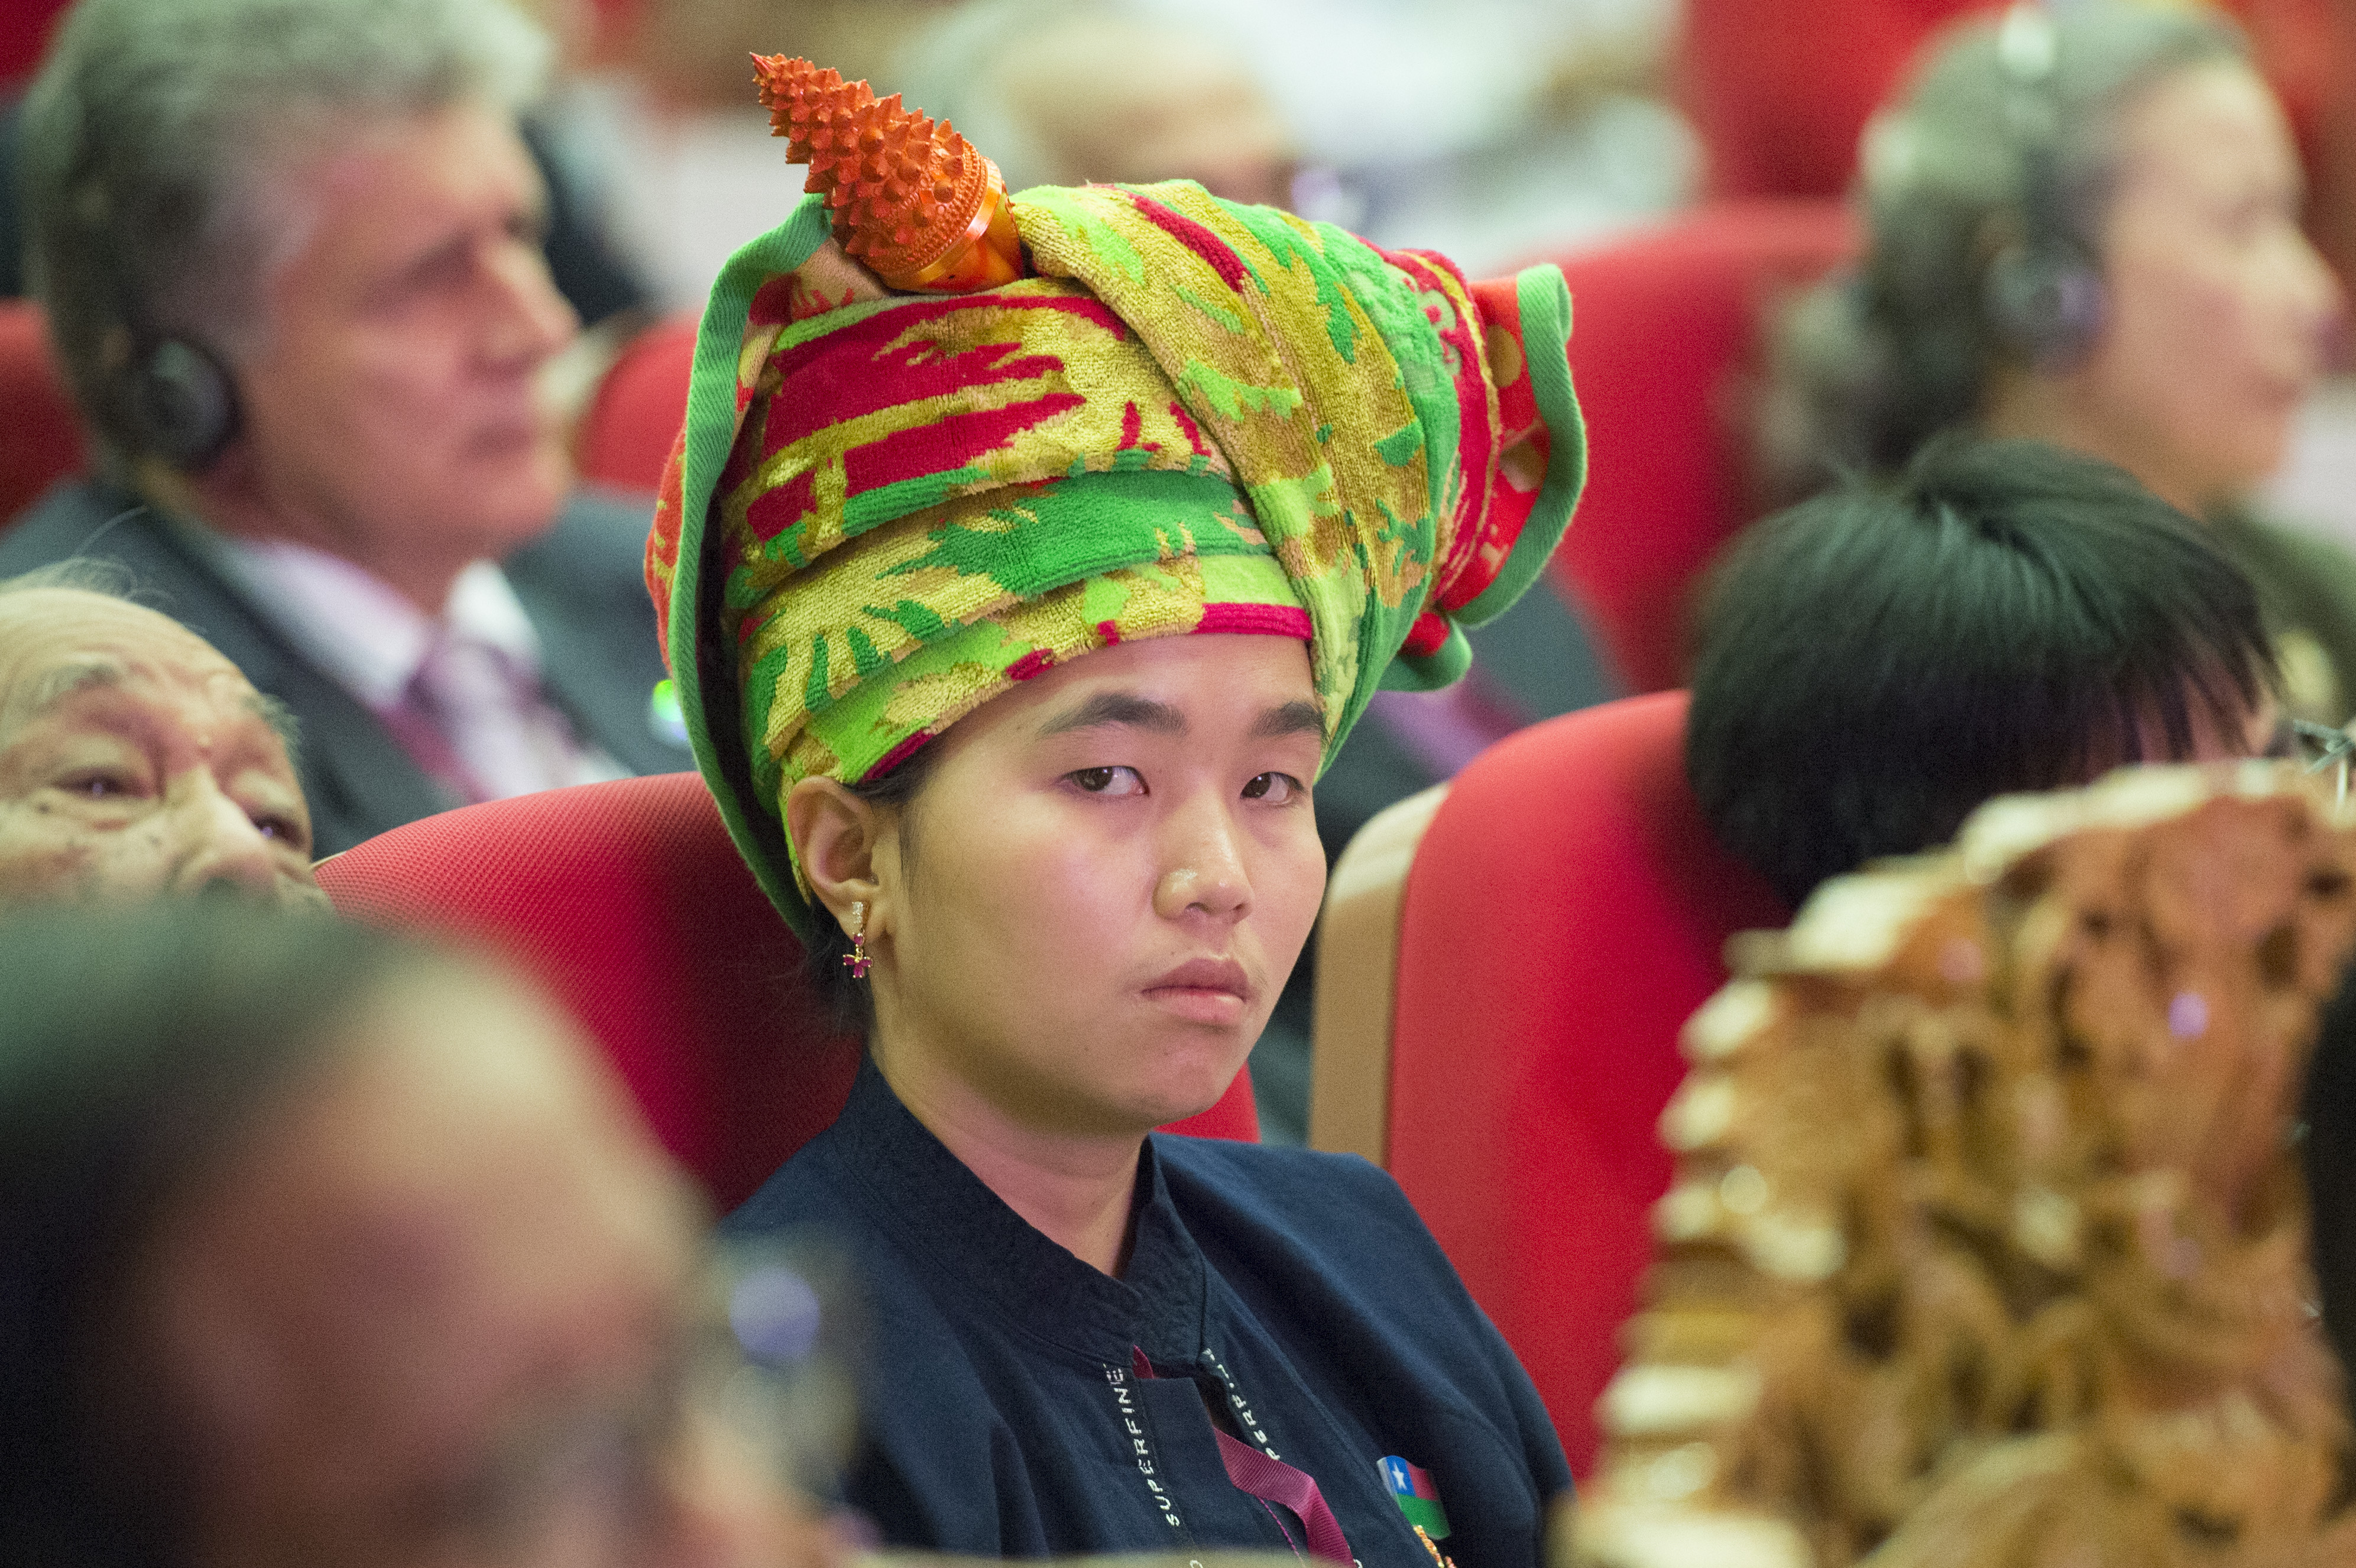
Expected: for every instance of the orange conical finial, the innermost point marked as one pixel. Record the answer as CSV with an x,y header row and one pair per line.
x,y
912,199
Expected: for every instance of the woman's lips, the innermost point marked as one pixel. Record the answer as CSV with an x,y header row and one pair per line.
x,y
1204,989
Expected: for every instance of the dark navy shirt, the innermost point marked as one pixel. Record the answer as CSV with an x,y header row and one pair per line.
x,y
1296,1293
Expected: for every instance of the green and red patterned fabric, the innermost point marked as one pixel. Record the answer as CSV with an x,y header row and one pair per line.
x,y
1196,416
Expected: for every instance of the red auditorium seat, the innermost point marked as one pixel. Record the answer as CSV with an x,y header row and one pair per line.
x,y
25,29
629,901
635,417
1511,956
1663,349
1779,113
40,439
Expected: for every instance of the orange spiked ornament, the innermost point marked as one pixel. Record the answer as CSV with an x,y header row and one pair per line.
x,y
910,198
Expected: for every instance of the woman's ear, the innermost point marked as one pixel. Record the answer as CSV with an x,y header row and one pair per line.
x,y
836,834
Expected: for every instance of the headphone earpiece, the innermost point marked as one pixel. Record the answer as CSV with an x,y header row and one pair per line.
x,y
163,394
2043,293
181,403
2046,302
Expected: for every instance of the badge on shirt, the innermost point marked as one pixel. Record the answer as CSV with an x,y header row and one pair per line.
x,y
1411,1488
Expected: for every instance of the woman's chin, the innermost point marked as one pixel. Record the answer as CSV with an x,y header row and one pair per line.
x,y
1190,1084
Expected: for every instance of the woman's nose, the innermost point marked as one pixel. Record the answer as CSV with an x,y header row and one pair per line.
x,y
2322,302
1204,866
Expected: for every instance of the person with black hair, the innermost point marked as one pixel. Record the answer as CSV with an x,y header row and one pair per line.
x,y
1874,663
320,1247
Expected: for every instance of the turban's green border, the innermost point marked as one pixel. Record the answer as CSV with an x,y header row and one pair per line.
x,y
701,671
1543,301
1544,298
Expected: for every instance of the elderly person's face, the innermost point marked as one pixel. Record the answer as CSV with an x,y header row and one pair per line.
x,y
134,760
393,410
2218,308
443,1308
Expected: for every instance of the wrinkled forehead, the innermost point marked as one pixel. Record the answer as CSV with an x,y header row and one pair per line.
x,y
56,643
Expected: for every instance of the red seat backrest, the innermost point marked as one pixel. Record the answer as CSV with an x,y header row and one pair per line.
x,y
1565,913
635,417
1666,325
629,901
1780,106
1781,114
25,29
40,435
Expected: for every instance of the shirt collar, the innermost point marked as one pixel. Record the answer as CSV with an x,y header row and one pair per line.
x,y
926,1192
368,635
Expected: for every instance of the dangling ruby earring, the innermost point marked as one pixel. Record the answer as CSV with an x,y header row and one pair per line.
x,y
857,957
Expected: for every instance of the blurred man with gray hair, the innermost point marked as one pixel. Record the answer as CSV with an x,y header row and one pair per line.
x,y
289,253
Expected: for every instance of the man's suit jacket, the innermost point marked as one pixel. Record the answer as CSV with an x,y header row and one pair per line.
x,y
583,584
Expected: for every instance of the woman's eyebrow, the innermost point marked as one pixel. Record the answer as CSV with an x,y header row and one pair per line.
x,y
1118,708
1290,718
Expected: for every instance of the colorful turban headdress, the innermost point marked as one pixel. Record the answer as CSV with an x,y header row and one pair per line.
x,y
1193,416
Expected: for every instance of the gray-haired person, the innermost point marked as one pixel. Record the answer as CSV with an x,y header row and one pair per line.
x,y
288,249
135,760
2084,229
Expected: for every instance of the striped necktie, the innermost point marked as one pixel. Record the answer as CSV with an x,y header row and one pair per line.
x,y
475,721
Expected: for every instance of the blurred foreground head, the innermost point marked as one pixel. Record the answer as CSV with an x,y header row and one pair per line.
x,y
1984,1246
1871,665
135,760
318,1247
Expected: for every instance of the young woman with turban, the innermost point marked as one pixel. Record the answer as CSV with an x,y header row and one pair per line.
x,y
1011,630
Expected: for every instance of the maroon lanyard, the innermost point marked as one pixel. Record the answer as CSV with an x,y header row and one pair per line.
x,y
1271,1480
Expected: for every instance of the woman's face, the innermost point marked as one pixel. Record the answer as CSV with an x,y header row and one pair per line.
x,y
1089,909
2216,306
